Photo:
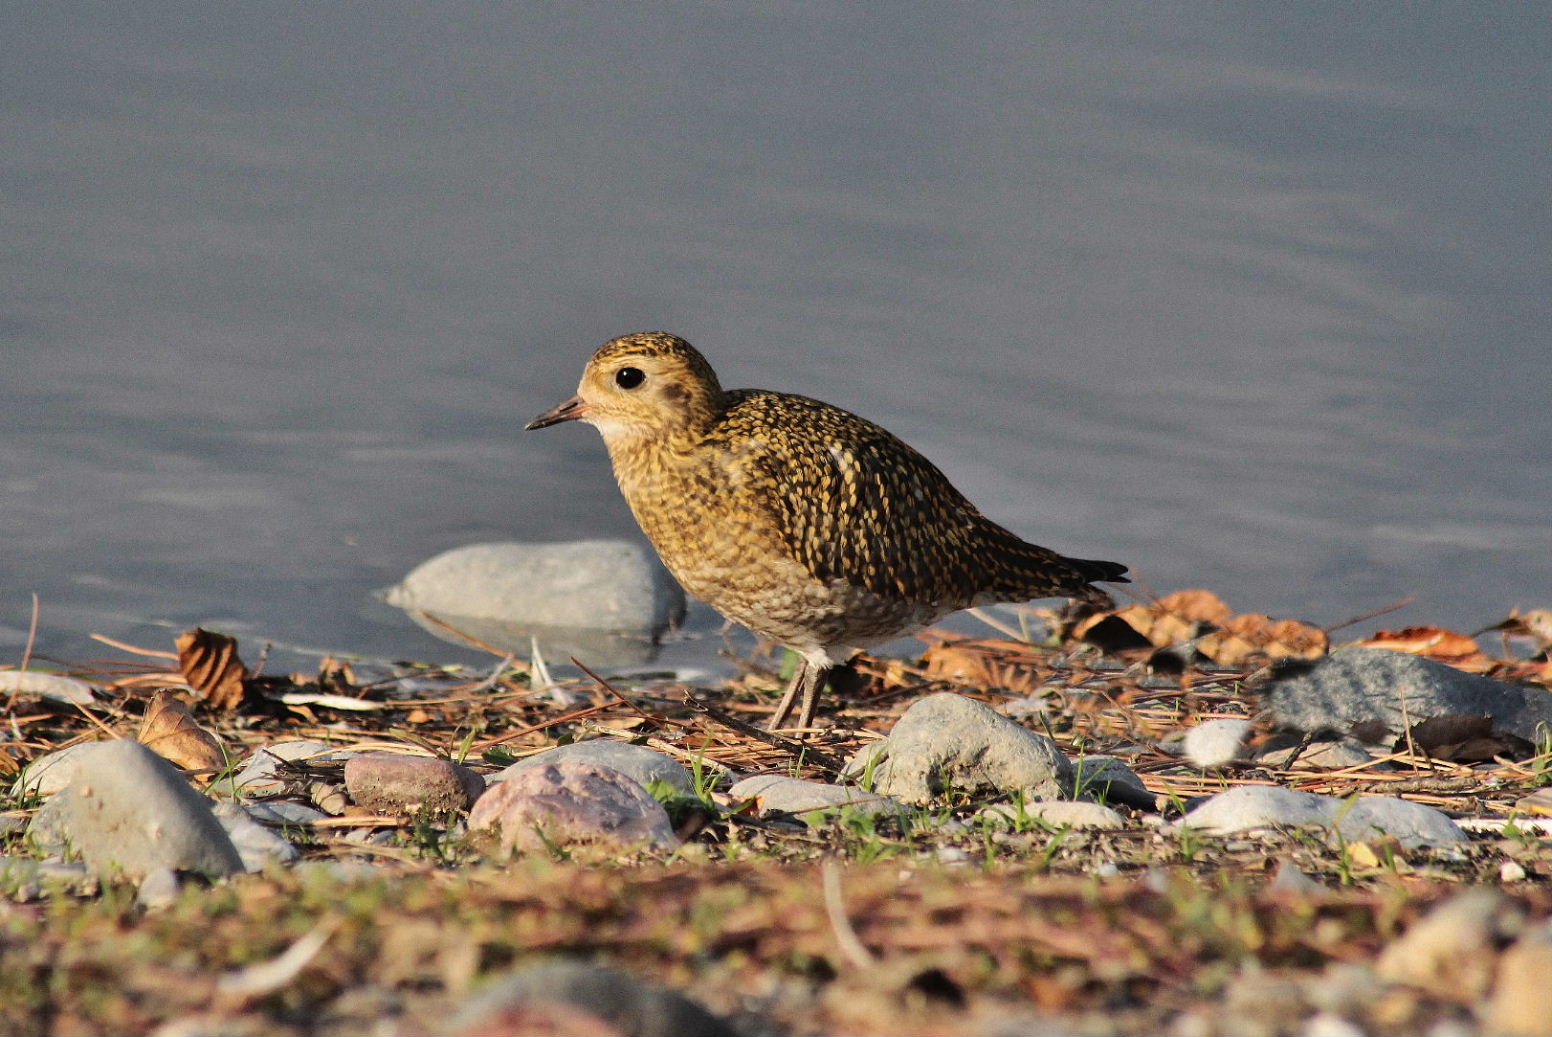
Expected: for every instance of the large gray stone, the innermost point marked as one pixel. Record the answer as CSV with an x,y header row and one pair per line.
x,y
1248,807
1357,684
635,761
950,743
129,811
604,601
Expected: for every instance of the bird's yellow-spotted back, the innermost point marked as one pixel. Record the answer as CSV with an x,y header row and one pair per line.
x,y
809,525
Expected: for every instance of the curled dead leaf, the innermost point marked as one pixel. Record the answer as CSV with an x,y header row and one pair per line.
x,y
210,664
1436,643
169,731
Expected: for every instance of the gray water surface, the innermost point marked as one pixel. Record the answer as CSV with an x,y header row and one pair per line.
x,y
1250,297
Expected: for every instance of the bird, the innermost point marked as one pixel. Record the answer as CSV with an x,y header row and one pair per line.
x,y
813,527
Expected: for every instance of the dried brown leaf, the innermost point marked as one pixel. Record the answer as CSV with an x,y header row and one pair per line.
x,y
1253,635
210,664
1175,617
169,731
1436,643
984,663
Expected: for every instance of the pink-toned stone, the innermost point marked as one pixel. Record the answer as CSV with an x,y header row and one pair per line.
x,y
397,784
572,802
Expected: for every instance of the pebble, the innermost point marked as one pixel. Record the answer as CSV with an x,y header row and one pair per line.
x,y
1288,880
395,783
635,761
1216,742
1327,1024
261,774
572,802
1247,807
565,997
606,601
159,888
128,810
1357,684
1109,779
950,743
777,794
256,845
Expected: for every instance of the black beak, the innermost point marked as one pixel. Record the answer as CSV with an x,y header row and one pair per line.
x,y
571,410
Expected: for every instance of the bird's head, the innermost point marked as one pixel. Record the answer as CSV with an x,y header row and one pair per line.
x,y
651,385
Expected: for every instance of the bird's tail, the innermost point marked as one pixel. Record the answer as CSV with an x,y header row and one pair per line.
x,y
1091,570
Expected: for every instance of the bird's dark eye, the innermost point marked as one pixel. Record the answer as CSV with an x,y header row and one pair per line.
x,y
629,377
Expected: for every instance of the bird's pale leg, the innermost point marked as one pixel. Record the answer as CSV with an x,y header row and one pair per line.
x,y
805,685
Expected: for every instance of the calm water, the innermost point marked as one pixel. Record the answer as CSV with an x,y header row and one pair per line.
x,y
1249,299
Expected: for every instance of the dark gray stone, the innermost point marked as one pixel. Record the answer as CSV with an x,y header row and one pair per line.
x,y
576,997
1356,684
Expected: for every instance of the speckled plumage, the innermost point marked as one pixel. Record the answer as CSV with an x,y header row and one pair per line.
x,y
807,524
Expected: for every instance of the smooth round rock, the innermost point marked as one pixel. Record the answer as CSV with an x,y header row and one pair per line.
x,y
1216,742
603,600
570,802
129,811
395,783
636,761
950,743
1248,807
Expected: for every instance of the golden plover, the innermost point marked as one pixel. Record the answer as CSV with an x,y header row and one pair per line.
x,y
809,525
